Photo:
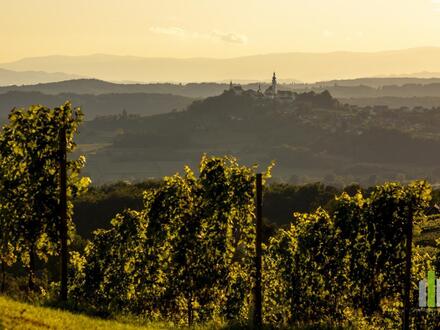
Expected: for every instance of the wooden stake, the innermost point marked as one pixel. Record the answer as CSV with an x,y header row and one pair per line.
x,y
63,210
258,295
407,284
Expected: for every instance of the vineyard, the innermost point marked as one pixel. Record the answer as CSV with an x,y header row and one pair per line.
x,y
187,256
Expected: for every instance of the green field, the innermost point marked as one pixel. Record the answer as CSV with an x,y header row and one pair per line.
x,y
17,315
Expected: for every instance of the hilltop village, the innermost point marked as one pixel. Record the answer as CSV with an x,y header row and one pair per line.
x,y
283,96
271,92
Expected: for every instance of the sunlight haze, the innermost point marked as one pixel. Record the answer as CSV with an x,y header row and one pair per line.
x,y
220,164
219,29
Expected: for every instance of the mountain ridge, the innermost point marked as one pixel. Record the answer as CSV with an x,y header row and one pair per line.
x,y
12,77
302,66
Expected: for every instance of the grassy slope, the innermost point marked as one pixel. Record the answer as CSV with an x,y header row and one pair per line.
x,y
16,315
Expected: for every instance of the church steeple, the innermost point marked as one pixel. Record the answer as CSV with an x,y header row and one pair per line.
x,y
274,84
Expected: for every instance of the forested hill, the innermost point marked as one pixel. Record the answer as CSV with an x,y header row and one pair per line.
x,y
95,86
142,104
312,138
356,88
376,82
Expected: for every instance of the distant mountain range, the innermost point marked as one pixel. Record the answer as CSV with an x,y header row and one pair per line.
x,y
10,77
307,67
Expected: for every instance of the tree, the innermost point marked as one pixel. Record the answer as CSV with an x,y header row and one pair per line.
x,y
304,273
189,253
29,148
9,247
351,258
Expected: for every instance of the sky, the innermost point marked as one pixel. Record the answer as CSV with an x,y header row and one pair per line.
x,y
213,28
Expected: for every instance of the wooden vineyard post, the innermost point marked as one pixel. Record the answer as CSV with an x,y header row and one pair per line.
x,y
63,209
258,252
407,283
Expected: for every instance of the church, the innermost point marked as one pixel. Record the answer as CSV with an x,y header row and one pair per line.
x,y
271,92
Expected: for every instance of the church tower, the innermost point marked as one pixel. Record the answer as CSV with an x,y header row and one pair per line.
x,y
274,84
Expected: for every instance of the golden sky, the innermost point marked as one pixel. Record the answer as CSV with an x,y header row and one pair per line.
x,y
213,28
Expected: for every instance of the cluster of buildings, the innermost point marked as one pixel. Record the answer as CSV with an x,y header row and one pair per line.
x,y
271,92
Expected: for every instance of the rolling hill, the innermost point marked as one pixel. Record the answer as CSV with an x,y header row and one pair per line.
x,y
356,88
96,87
10,77
142,104
312,138
307,67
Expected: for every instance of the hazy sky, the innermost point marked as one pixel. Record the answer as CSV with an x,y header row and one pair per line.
x,y
213,28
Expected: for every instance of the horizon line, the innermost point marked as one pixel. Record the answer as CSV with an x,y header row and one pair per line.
x,y
226,58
